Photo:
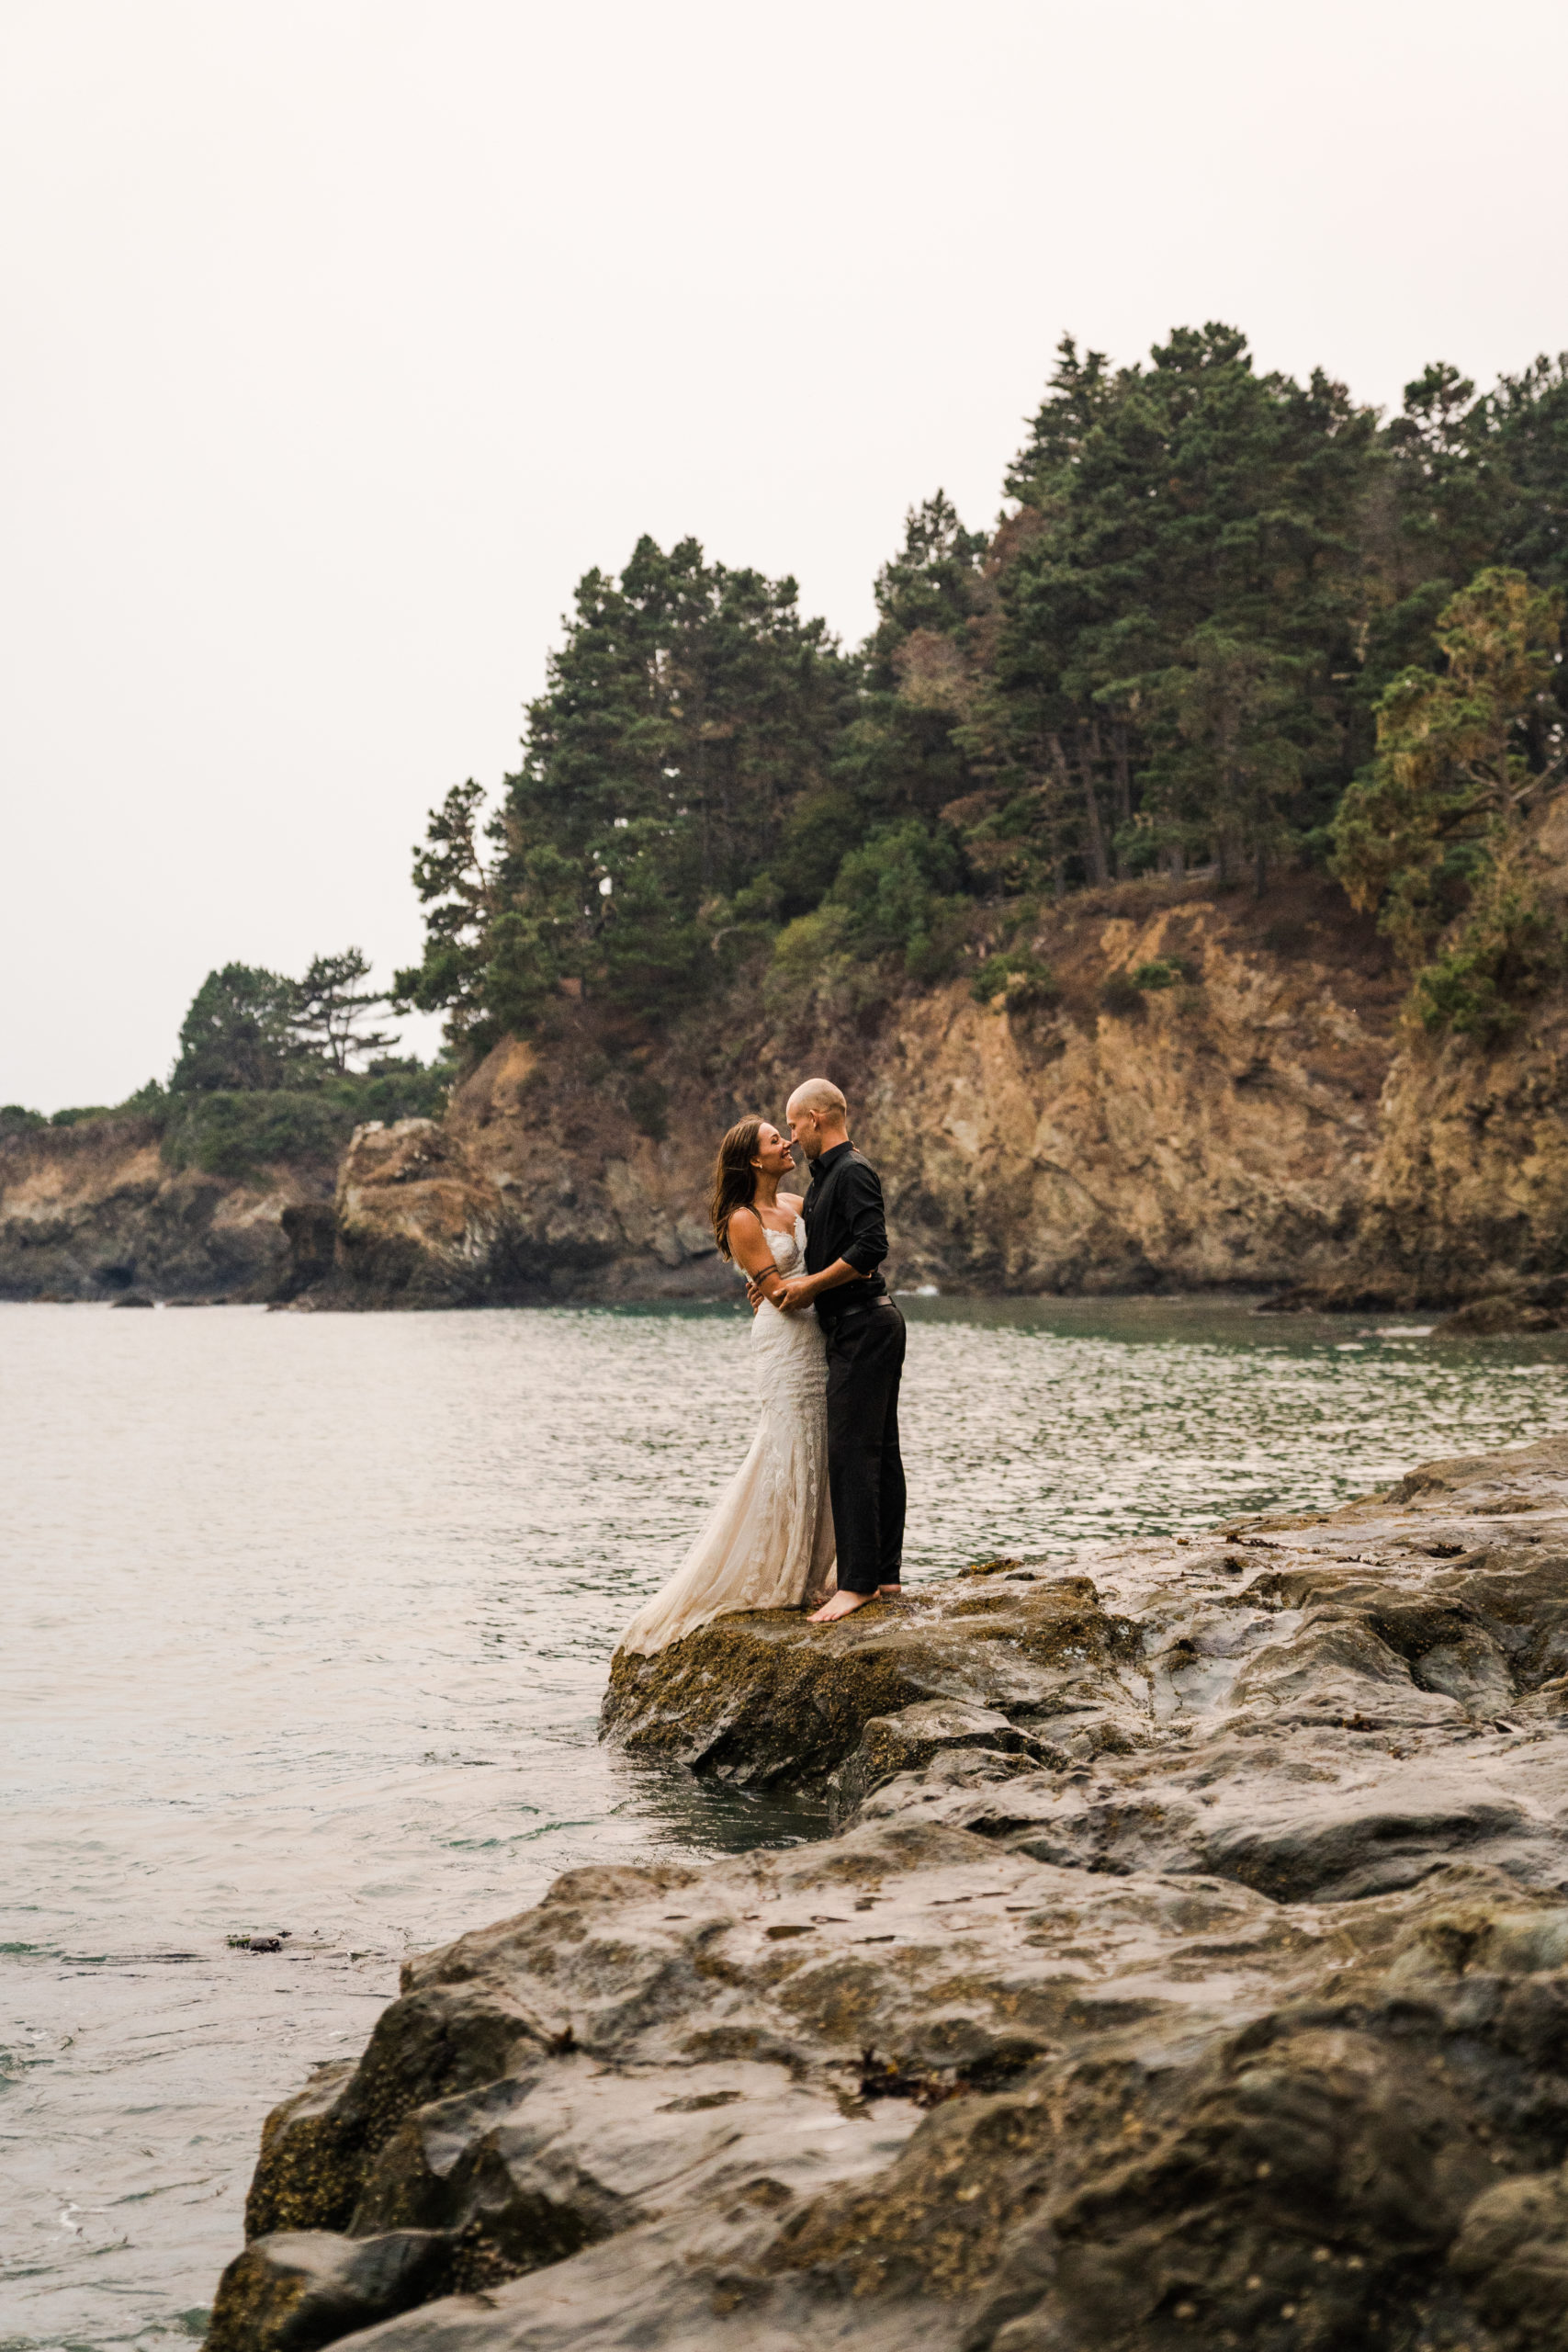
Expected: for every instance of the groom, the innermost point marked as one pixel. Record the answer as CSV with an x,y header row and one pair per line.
x,y
846,1241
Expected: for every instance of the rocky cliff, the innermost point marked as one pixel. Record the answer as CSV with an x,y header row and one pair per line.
x,y
1189,1967
1258,1116
1211,1090
93,1211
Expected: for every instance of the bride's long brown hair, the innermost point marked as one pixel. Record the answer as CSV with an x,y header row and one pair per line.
x,y
734,1178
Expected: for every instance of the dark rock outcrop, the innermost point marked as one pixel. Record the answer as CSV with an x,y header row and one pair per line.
x,y
94,1211
1191,1968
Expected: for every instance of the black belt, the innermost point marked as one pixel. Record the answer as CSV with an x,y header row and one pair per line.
x,y
851,1314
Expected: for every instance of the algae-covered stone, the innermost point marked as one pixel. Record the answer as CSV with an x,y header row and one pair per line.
x,y
772,1700
306,2288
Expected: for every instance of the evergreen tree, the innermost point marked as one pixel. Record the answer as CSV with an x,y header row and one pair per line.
x,y
1434,838
238,1034
453,885
1212,607
901,754
1225,766
1530,416
674,758
330,1013
1178,505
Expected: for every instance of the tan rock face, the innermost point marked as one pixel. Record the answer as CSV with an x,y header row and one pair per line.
x,y
1221,1129
419,1222
538,1184
1218,1132
1469,1186
92,1211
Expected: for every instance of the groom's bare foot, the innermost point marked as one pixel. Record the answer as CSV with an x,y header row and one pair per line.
x,y
839,1605
888,1591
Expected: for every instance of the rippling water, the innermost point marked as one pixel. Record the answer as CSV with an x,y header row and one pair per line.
x,y
306,1619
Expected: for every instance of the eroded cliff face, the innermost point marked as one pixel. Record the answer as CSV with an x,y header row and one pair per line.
x,y
1266,1121
1220,1130
92,1212
1468,1191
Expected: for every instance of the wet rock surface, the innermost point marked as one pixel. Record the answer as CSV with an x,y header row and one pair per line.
x,y
1191,1967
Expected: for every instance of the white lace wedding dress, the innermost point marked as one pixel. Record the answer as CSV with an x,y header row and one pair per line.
x,y
769,1541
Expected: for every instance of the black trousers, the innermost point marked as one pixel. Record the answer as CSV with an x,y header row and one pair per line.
x,y
865,1469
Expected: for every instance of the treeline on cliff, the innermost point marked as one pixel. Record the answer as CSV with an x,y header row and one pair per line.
x,y
1227,621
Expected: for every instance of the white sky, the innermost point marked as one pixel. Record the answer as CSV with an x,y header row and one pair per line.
x,y
342,337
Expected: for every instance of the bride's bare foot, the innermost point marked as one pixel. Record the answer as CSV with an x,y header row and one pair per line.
x,y
839,1605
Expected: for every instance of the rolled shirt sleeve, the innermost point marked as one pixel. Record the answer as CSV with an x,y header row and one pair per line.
x,y
867,1219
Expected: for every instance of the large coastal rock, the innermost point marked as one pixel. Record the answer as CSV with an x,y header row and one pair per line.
x,y
1190,1968
417,1222
93,1212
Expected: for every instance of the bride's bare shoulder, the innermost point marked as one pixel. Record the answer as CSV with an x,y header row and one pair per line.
x,y
743,1224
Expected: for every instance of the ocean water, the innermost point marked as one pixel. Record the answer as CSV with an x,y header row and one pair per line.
x,y
305,1622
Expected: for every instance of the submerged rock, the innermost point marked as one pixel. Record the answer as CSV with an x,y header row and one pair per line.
x,y
1192,1968
1534,1306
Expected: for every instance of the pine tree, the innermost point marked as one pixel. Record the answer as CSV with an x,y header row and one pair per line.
x,y
1436,837
1456,772
329,1012
1176,507
902,755
238,1034
453,880
686,726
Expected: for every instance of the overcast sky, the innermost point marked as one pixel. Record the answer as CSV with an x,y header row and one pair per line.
x,y
343,336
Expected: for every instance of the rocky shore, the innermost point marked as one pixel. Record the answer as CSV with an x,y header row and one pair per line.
x,y
1188,1966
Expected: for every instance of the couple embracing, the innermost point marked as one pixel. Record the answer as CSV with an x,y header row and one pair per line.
x,y
815,1515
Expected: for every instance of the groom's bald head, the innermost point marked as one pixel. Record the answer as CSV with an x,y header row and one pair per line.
x,y
819,1094
819,1116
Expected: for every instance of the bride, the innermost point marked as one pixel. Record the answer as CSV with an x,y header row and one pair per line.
x,y
768,1543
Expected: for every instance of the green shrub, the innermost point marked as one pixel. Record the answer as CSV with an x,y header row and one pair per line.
x,y
233,1132
1511,946
898,896
1164,972
74,1118
17,1120
811,966
396,1089
1019,975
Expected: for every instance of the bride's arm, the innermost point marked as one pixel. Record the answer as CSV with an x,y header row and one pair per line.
x,y
748,1248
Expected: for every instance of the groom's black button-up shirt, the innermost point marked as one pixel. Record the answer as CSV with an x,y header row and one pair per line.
x,y
844,1218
